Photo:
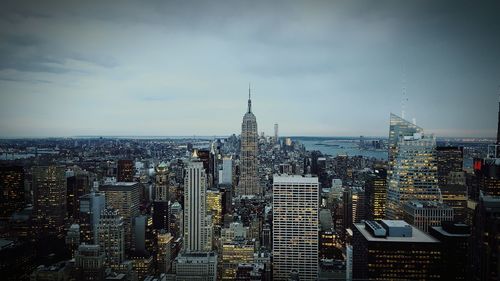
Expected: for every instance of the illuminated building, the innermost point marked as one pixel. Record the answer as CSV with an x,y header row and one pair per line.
x,y
111,237
376,194
454,238
295,226
142,265
414,176
143,235
327,236
78,185
249,179
485,240
394,250
234,253
454,194
200,266
164,255
398,128
124,197
162,182
49,187
125,171
12,197
91,206
424,214
449,159
197,226
488,173
214,206
73,238
89,263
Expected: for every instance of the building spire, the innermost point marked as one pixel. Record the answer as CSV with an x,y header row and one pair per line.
x,y
249,100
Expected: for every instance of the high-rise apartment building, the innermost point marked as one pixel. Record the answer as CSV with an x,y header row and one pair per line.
x,y
414,174
249,179
197,226
295,226
49,187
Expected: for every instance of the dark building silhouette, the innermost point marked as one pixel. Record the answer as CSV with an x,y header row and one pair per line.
x,y
376,194
485,240
449,159
78,185
12,195
454,239
125,171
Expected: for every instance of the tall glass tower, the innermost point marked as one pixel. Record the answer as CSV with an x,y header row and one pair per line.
x,y
249,179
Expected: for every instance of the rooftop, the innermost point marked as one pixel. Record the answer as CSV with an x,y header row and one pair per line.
x,y
294,179
418,236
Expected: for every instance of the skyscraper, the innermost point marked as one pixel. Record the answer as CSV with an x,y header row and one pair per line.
x,y
49,186
111,236
295,226
276,138
376,194
11,190
398,127
125,198
196,224
249,179
91,206
413,175
125,171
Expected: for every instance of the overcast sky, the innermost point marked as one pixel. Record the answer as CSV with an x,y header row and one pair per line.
x,y
331,68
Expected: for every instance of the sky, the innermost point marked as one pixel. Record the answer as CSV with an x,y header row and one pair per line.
x,y
182,68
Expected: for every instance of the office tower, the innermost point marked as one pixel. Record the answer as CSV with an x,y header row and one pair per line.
x,y
485,241
276,139
394,250
327,235
249,179
143,235
376,194
398,128
487,172
125,171
176,220
454,238
449,159
214,206
142,265
414,175
454,194
267,236
197,227
111,235
91,206
358,204
89,263
295,226
162,182
234,253
12,196
164,255
161,215
226,173
424,214
49,188
78,185
200,266
124,197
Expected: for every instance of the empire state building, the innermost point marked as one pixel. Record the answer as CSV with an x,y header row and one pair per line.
x,y
249,179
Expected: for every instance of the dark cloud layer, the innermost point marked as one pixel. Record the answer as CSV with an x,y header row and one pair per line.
x,y
341,64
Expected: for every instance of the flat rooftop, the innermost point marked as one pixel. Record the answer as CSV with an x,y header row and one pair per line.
x,y
418,236
294,179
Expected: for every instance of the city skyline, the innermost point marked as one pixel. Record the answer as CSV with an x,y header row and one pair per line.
x,y
71,69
